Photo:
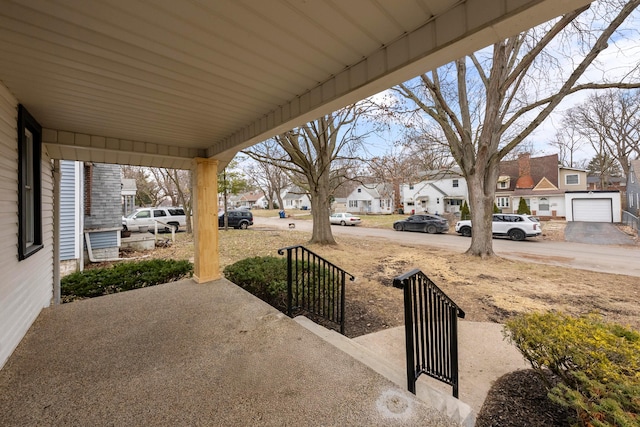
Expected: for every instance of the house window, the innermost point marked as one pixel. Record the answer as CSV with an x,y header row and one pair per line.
x,y
29,185
455,183
502,185
410,186
572,179
502,202
353,203
543,204
359,190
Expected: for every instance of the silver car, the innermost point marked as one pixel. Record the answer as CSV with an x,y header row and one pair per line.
x,y
344,218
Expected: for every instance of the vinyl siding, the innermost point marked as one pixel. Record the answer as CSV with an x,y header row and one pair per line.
x,y
104,239
68,211
26,286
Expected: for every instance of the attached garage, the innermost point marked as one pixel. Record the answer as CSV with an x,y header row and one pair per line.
x,y
593,210
593,206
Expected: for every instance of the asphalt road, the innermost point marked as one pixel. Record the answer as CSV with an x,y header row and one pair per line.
x,y
616,259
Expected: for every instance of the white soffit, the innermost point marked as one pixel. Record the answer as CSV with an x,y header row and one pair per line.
x,y
212,77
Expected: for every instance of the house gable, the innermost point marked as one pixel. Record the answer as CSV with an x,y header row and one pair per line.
x,y
544,185
537,168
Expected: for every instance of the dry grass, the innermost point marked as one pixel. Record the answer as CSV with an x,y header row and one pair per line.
x,y
489,290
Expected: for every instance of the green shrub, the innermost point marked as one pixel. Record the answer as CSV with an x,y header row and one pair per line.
x,y
465,213
598,364
496,209
523,209
264,277
122,277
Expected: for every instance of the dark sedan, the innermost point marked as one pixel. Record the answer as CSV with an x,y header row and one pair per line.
x,y
426,223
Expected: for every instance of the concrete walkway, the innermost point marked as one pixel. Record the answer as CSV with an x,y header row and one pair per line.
x,y
183,354
483,358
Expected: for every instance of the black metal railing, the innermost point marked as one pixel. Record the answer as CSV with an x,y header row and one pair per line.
x,y
431,330
314,286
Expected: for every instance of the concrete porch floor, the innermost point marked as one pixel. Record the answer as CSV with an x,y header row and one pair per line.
x,y
189,354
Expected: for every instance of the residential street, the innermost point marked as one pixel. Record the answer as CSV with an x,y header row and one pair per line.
x,y
616,259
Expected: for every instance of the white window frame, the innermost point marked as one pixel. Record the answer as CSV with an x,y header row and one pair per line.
x,y
503,201
540,204
566,179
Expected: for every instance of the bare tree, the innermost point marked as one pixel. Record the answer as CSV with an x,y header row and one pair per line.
x,y
485,112
610,121
271,179
148,192
604,167
568,141
175,185
319,156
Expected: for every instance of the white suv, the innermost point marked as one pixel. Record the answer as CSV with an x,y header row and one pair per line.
x,y
147,217
517,227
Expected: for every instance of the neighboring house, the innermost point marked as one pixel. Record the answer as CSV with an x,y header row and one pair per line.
x,y
296,198
339,205
441,191
128,192
249,200
371,199
340,195
536,180
553,191
71,217
90,213
633,188
611,183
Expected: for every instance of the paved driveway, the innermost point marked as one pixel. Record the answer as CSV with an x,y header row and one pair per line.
x,y
596,233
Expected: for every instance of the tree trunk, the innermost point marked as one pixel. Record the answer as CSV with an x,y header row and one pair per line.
x,y
320,211
481,199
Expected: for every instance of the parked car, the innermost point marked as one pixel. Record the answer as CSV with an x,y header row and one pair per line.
x,y
237,218
344,218
166,217
426,223
515,226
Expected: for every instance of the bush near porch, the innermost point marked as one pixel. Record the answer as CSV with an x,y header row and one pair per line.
x,y
597,363
121,277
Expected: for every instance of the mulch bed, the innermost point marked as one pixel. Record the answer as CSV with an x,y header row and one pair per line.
x,y
519,399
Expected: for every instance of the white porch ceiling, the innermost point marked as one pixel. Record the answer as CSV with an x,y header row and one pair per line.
x,y
207,78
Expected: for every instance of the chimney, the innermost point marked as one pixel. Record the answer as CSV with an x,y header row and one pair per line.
x,y
524,171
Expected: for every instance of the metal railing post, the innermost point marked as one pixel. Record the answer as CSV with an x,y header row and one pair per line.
x,y
319,286
431,332
289,283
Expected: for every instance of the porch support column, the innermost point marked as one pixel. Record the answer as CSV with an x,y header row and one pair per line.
x,y
205,220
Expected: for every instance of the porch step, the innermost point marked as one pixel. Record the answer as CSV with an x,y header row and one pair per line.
x,y
449,405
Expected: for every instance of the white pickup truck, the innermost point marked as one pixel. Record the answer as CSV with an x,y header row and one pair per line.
x,y
147,217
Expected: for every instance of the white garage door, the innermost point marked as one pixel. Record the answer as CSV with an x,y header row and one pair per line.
x,y
592,210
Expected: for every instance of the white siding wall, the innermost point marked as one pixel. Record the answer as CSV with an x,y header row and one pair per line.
x,y
26,286
69,248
